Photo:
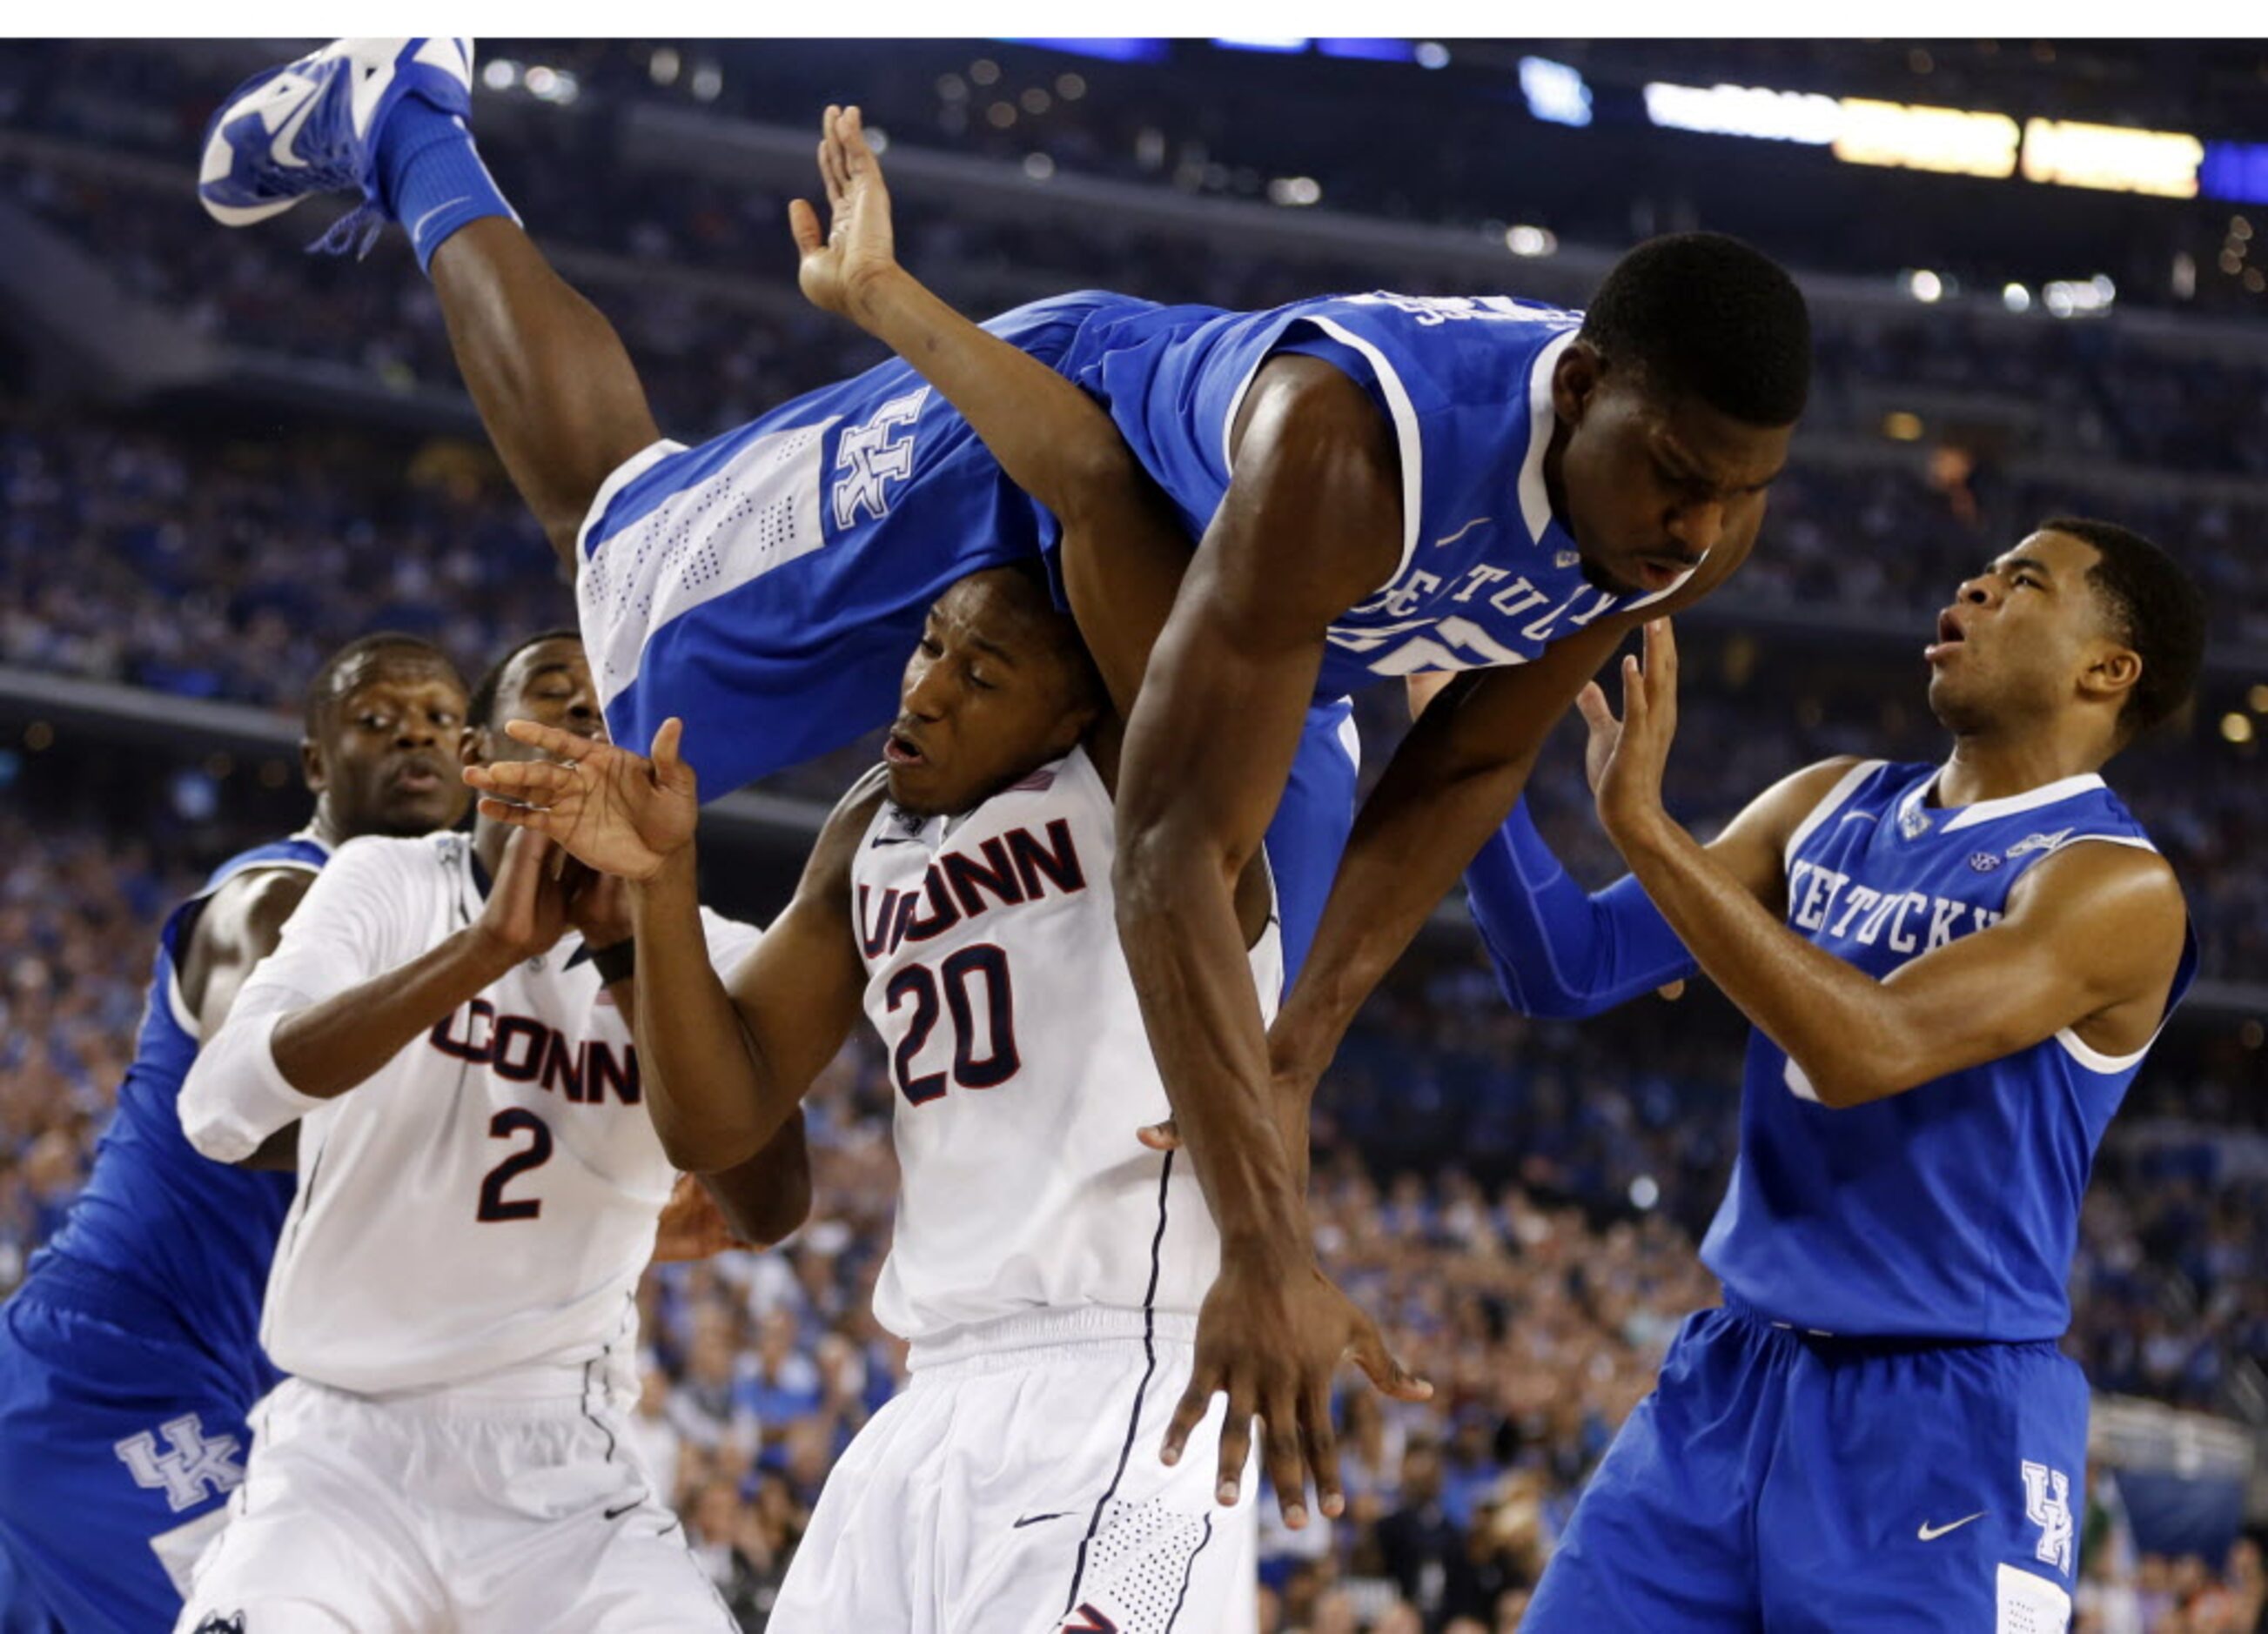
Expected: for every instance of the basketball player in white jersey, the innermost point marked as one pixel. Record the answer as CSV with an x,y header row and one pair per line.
x,y
478,1192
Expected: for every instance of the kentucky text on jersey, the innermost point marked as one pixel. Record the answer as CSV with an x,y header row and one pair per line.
x,y
1009,870
1950,1212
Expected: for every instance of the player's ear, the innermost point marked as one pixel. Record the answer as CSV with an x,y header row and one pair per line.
x,y
315,770
2113,673
473,745
1574,377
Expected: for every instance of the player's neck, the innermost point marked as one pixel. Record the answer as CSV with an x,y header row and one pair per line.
x,y
1985,767
326,826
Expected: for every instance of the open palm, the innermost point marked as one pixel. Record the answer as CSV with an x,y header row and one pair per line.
x,y
618,811
858,245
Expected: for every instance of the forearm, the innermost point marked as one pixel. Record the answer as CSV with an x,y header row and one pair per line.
x,y
769,1197
328,1048
1410,842
711,1103
1185,950
1052,440
1837,1024
1558,950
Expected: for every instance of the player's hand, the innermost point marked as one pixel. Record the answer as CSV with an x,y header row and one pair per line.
x,y
1270,1334
857,245
527,909
692,1227
1628,781
1605,730
599,912
618,811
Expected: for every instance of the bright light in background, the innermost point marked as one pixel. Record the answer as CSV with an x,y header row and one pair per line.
x,y
1902,426
1644,1193
2235,171
1369,50
1107,50
708,83
1924,285
664,66
1295,190
1745,111
2016,297
1283,43
501,74
1556,93
1039,167
1432,54
2257,697
2073,298
2235,727
1947,140
2112,158
1530,241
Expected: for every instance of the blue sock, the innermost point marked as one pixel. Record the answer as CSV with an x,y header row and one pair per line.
x,y
431,178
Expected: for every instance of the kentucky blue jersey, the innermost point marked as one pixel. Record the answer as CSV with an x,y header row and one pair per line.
x,y
158,1226
1950,1212
1487,575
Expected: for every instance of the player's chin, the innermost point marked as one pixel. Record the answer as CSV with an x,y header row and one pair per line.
x,y
406,816
914,788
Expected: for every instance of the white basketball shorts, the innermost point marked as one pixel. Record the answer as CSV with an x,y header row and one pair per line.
x,y
446,1511
1015,1488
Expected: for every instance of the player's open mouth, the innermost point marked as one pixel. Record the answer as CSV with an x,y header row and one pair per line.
x,y
1949,636
1658,574
420,777
900,750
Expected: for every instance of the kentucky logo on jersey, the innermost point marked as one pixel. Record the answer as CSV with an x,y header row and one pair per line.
x,y
191,1466
2047,1506
1983,862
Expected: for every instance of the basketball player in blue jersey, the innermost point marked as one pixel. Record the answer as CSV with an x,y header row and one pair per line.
x,y
1954,972
1381,486
131,1353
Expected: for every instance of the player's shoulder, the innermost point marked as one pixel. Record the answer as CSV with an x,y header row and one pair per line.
x,y
1816,791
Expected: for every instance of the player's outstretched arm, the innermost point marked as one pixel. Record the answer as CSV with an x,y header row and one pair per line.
x,y
342,995
2093,939
1052,439
727,1062
1450,784
1310,525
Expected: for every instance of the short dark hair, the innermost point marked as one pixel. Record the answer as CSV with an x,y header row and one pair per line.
x,y
484,703
1705,314
324,688
2155,607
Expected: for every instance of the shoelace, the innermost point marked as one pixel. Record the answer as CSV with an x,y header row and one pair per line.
x,y
365,221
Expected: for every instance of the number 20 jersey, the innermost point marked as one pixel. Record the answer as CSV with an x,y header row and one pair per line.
x,y
483,1204
1021,1068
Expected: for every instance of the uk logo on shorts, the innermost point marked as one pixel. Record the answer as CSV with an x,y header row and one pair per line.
x,y
188,1467
2047,1506
233,1623
870,458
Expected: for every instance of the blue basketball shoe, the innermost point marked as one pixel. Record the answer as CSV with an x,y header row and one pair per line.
x,y
312,126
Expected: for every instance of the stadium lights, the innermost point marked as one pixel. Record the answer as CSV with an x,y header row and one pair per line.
x,y
1901,426
2112,158
1556,93
501,74
2073,298
2016,297
1947,140
1283,45
1039,167
1295,190
664,66
2236,728
1529,242
1923,284
1432,54
1745,111
2235,171
1369,50
2257,697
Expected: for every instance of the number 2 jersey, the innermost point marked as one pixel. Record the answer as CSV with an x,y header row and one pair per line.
x,y
1022,1070
484,1203
767,585
1950,1212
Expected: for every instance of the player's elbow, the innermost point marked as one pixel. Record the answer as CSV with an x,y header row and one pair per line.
x,y
779,1214
1842,1079
1093,473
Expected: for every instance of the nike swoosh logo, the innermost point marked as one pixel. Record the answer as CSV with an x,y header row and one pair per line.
x,y
1929,1533
417,231
616,1514
1033,1520
288,132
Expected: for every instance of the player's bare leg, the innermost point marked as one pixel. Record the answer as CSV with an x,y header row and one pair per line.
x,y
554,386
387,117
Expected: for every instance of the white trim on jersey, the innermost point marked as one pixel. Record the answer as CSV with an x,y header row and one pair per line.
x,y
2092,1059
1827,807
2007,805
177,1003
1534,497
1408,443
621,477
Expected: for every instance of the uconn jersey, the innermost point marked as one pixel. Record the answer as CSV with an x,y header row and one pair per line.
x,y
767,585
1022,1068
1951,1210
486,1200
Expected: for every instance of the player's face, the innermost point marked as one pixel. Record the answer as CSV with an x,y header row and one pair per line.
x,y
382,762
989,695
1648,487
2017,636
549,683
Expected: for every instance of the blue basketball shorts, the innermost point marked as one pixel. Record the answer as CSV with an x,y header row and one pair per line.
x,y
118,1450
1800,1484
